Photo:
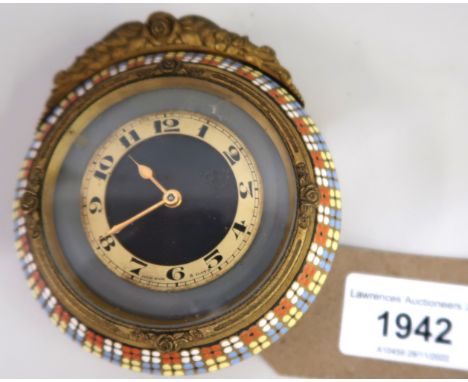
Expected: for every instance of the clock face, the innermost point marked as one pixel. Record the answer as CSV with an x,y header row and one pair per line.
x,y
171,200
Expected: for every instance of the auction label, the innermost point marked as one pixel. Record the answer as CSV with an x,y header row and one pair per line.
x,y
405,320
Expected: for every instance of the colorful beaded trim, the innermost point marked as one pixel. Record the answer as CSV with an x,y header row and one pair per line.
x,y
290,308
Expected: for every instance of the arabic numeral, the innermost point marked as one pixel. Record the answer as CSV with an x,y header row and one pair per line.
x,y
104,166
95,205
232,155
446,330
245,190
175,273
166,126
107,242
384,317
403,323
213,259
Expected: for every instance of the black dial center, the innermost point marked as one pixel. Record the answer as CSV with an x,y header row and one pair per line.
x,y
172,236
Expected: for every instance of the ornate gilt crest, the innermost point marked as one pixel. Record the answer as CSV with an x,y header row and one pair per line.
x,y
162,33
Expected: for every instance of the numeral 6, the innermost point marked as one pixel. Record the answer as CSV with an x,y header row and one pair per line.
x,y
175,273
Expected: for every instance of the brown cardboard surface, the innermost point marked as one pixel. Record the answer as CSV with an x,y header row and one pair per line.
x,y
311,350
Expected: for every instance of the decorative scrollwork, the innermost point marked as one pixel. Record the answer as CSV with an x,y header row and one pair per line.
x,y
162,33
30,204
166,342
309,195
170,66
29,201
35,179
34,226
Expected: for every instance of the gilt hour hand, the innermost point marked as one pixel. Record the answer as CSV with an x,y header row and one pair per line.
x,y
146,173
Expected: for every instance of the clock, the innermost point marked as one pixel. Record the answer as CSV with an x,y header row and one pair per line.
x,y
178,210
205,224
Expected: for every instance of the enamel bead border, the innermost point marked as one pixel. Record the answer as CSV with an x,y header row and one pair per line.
x,y
284,315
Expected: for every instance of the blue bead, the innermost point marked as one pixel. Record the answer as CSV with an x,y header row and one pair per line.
x,y
235,360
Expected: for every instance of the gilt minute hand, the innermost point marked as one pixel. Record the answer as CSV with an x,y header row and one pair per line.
x,y
119,227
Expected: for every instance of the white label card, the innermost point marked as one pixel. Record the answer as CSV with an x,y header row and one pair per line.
x,y
405,320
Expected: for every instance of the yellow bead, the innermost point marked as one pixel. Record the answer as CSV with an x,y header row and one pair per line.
x,y
323,278
253,344
317,275
256,350
209,362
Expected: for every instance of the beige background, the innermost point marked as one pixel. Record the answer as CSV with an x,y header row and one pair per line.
x,y
387,84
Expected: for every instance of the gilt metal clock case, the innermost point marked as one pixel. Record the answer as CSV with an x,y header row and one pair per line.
x,y
178,210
